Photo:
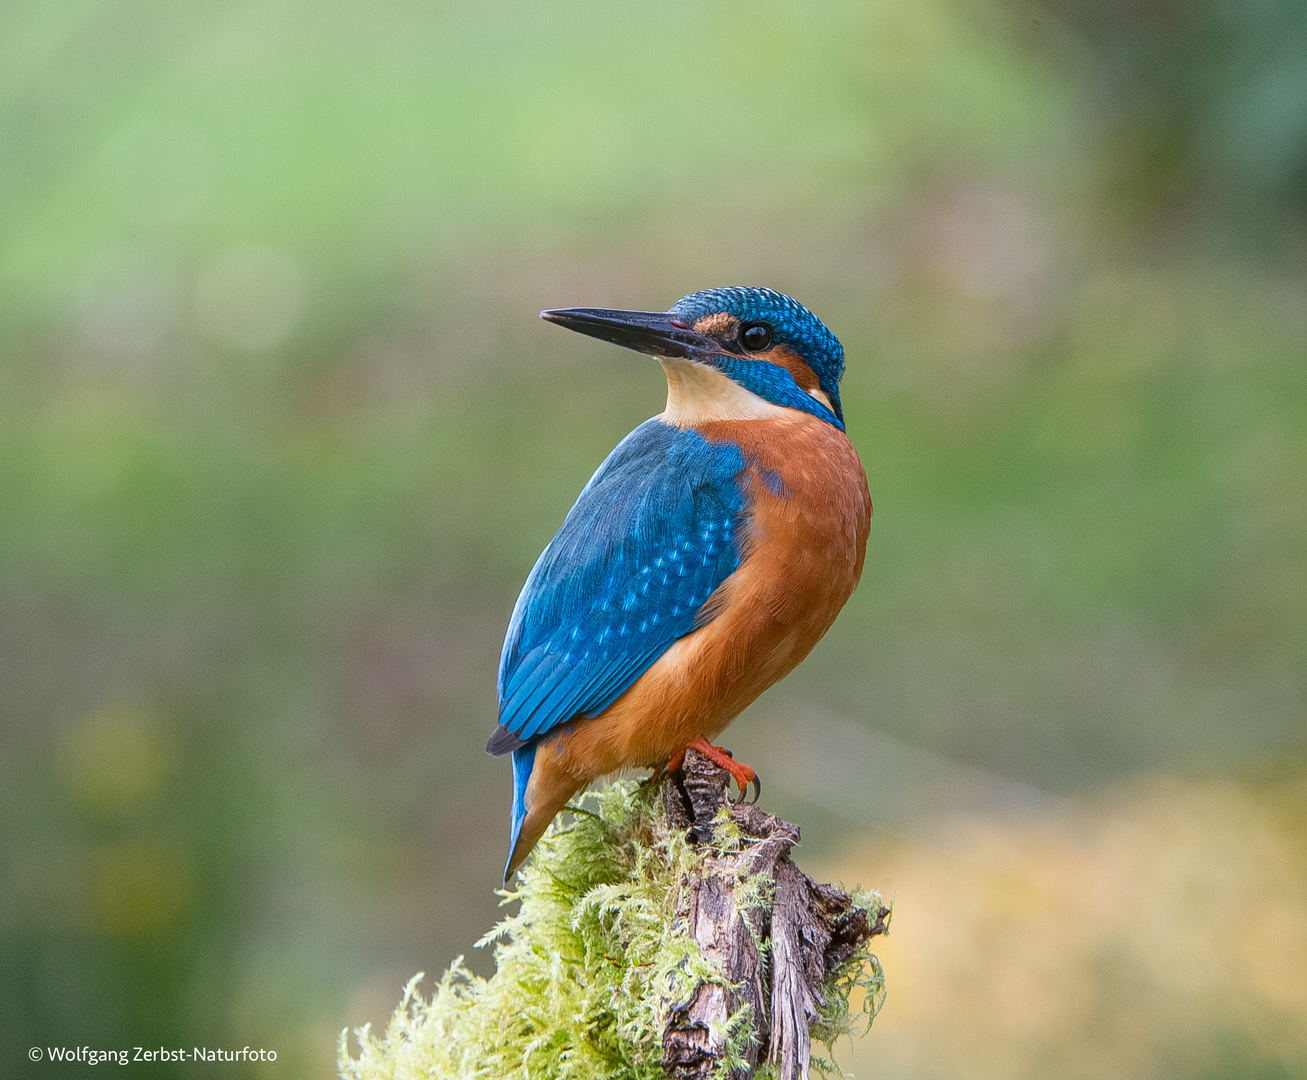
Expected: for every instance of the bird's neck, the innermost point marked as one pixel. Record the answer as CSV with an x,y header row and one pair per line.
x,y
697,394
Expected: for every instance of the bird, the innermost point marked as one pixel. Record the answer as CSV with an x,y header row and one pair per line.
x,y
703,560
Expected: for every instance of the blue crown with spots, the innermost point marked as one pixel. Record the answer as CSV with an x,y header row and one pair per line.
x,y
792,325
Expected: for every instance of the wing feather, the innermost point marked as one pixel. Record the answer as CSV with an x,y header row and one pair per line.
x,y
652,535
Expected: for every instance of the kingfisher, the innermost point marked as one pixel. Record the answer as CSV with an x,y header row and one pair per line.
x,y
702,561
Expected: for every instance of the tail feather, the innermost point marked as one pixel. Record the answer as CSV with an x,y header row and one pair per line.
x,y
531,815
523,759
502,741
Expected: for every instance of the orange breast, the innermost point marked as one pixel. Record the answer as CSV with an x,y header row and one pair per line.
x,y
802,557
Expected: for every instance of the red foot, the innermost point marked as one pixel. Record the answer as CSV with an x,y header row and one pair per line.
x,y
743,774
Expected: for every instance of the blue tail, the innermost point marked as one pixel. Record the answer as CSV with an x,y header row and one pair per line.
x,y
523,760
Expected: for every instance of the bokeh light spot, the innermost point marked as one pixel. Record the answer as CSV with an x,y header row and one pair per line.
x,y
138,888
250,297
114,760
124,303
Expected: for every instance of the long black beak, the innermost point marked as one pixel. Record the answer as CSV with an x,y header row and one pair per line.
x,y
655,333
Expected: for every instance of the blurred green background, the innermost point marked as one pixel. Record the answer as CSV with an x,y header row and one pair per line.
x,y
280,437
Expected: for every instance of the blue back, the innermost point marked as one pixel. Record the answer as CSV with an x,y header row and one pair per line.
x,y
653,533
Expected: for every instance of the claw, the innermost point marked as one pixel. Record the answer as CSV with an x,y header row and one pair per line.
x,y
742,774
755,782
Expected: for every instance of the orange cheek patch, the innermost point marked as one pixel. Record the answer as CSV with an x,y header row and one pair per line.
x,y
721,323
803,375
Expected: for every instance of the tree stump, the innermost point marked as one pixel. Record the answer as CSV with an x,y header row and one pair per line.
x,y
811,929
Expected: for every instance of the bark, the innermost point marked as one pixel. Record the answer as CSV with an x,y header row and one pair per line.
x,y
811,929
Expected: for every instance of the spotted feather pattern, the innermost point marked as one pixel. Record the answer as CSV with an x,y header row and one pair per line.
x,y
650,538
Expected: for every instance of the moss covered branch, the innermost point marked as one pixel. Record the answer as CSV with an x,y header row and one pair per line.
x,y
661,932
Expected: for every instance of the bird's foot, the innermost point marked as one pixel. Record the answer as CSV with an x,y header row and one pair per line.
x,y
743,774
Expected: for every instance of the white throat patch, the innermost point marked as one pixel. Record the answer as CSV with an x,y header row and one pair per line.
x,y
697,394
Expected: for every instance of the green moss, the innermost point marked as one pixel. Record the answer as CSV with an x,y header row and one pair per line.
x,y
584,966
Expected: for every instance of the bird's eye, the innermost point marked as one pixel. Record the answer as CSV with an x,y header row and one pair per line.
x,y
756,337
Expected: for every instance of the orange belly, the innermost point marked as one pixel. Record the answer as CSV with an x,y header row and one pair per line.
x,y
802,557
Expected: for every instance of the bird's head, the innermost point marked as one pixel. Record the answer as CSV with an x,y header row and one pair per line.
x,y
725,348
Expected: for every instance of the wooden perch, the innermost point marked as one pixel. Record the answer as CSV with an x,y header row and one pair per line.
x,y
655,936
811,929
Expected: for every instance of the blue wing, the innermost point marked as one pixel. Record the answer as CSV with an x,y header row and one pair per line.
x,y
653,533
